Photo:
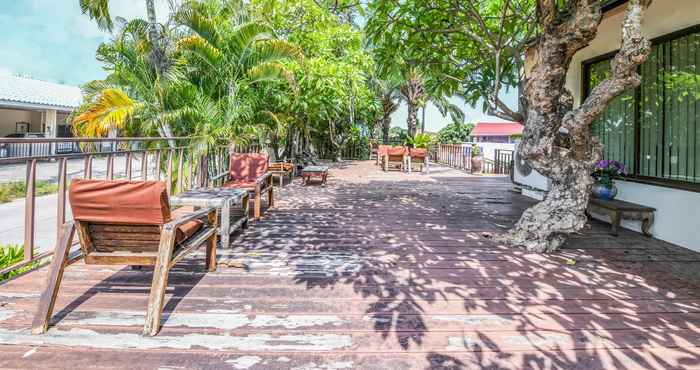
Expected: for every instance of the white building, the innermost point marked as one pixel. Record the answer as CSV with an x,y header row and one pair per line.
x,y
34,107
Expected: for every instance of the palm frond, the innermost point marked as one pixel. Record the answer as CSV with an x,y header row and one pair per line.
x,y
110,110
98,10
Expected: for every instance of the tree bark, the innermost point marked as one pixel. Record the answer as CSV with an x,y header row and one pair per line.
x,y
386,125
557,138
411,120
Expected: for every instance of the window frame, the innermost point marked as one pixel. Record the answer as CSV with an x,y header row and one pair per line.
x,y
636,177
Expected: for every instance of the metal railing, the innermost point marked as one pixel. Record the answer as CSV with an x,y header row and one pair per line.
x,y
459,156
183,163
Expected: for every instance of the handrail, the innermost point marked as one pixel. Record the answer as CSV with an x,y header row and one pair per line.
x,y
181,167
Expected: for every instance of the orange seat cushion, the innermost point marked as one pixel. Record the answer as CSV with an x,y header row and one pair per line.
x,y
189,228
240,184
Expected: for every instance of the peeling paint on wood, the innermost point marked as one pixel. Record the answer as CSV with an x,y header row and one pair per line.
x,y
223,321
256,342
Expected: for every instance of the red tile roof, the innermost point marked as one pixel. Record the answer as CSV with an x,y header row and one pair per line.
x,y
497,129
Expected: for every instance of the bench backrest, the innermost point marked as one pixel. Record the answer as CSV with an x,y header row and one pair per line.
x,y
248,166
418,152
119,215
396,151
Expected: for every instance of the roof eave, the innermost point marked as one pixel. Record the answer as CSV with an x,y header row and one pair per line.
x,y
12,104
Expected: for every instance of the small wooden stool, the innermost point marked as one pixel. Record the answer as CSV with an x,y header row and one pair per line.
x,y
310,172
617,209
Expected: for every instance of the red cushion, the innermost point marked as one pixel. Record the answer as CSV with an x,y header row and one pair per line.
x,y
418,153
248,166
382,149
119,201
189,228
240,184
396,150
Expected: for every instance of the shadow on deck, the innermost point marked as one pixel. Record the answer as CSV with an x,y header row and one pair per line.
x,y
380,271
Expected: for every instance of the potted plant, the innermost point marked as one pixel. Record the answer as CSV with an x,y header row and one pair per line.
x,y
477,158
605,172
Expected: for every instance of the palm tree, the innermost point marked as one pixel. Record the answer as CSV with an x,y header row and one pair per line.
x,y
133,91
413,93
387,89
98,10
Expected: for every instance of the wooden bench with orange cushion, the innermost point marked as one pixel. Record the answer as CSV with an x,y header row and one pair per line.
x,y
249,171
122,222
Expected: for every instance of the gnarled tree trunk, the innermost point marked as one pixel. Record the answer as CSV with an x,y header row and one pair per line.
x,y
557,138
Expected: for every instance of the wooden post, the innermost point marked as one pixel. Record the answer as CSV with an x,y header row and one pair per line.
x,y
61,209
53,280
29,207
160,282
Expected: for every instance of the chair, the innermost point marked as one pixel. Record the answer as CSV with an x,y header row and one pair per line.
x,y
381,152
395,155
418,156
249,171
122,222
282,169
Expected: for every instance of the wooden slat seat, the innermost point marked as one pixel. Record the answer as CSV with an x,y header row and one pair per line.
x,y
128,223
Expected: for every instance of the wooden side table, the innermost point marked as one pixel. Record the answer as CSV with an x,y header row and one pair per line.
x,y
231,204
310,172
618,209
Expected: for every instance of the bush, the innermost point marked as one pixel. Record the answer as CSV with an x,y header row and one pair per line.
x,y
9,255
455,133
10,191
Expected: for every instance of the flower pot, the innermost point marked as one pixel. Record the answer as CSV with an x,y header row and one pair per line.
x,y
477,164
602,191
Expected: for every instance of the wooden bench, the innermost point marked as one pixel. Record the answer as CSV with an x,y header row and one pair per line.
x,y
618,209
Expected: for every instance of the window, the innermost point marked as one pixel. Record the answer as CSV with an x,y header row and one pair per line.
x,y
655,128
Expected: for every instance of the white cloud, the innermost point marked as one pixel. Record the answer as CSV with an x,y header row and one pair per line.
x,y
5,71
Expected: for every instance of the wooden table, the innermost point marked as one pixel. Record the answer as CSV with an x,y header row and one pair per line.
x,y
225,200
314,172
617,209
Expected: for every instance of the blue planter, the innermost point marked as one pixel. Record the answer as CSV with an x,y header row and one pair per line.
x,y
601,191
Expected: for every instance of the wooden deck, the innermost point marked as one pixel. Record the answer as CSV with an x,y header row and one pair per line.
x,y
379,271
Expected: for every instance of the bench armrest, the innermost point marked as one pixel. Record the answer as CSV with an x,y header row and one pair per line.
x,y
172,225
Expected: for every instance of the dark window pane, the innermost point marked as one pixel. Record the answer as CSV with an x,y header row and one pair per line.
x,y
615,126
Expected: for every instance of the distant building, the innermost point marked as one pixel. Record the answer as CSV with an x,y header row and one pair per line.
x,y
32,108
501,132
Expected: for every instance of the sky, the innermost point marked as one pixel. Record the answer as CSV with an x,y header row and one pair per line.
x,y
52,40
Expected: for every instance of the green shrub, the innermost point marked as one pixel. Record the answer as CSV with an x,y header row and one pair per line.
x,y
10,191
9,255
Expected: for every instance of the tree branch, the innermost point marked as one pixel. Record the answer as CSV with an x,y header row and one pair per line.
x,y
634,51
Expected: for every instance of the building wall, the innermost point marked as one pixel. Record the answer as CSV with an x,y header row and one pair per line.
x,y
8,118
676,216
661,18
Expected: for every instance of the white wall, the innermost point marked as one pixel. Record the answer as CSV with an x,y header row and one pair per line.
x,y
676,217
9,117
677,210
490,148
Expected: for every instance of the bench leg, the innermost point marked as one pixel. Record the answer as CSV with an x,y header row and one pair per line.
x,y
159,284
647,221
270,198
615,222
211,242
53,280
225,228
258,198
